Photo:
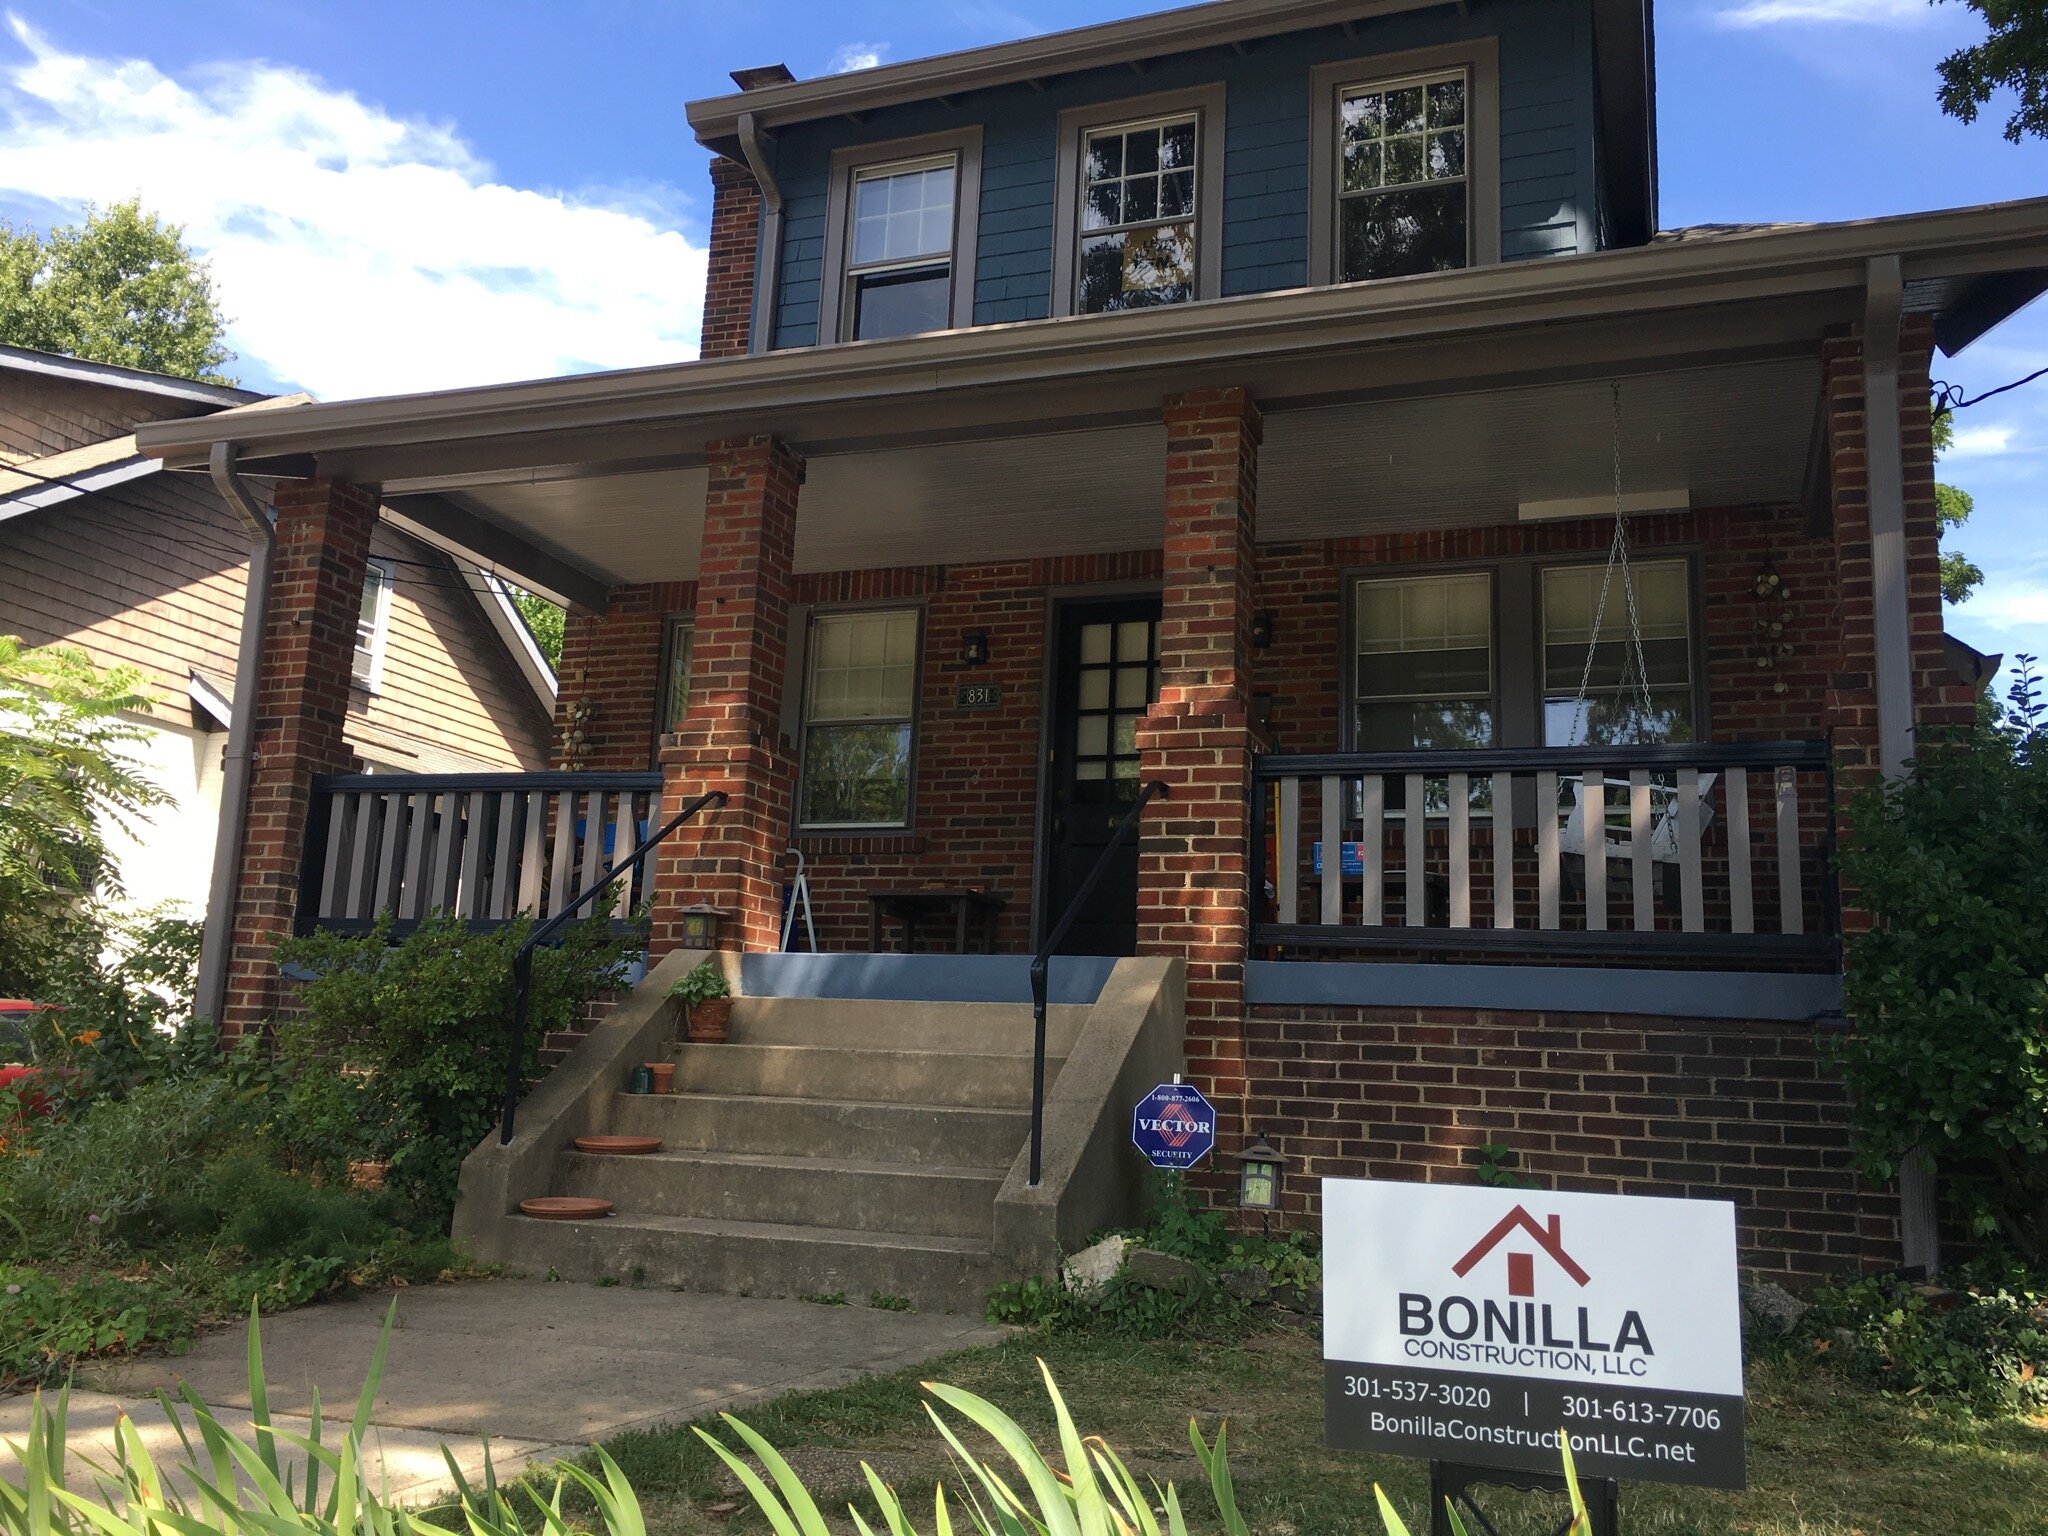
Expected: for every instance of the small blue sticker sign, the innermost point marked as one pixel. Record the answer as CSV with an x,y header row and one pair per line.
x,y
1174,1126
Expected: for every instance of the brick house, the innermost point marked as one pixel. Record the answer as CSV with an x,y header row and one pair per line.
x,y
1248,399
101,550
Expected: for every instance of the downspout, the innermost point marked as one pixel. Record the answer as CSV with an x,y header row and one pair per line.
x,y
754,146
1891,636
217,940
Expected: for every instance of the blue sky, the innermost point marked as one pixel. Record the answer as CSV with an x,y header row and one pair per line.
x,y
359,170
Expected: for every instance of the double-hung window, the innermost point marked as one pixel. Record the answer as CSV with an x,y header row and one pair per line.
x,y
678,635
373,625
1620,704
900,237
1424,664
1138,203
860,711
1404,164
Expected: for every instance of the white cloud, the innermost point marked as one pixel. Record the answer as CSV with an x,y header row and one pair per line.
x,y
356,253
1767,13
852,56
1980,442
2008,604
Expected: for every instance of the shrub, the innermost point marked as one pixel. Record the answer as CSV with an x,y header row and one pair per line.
x,y
1949,989
427,1023
49,1321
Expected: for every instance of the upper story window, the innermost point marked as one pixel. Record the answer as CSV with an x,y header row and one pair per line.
x,y
1138,203
373,625
1402,193
899,270
1404,164
900,235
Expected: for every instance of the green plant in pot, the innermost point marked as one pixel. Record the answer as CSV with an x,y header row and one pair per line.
x,y
706,1001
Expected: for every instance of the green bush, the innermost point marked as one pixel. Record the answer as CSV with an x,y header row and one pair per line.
x,y
1983,1345
425,1027
1182,1226
1949,988
47,1322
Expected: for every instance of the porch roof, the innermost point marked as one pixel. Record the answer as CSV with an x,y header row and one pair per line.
x,y
1450,397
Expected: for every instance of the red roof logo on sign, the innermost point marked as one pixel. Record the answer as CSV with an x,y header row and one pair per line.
x,y
1177,1127
1522,1266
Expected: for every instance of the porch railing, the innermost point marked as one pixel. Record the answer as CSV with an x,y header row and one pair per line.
x,y
1709,851
486,847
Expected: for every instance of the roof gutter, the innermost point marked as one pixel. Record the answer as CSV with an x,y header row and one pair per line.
x,y
217,939
755,144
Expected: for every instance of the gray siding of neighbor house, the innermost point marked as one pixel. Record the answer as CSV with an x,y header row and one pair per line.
x,y
1549,197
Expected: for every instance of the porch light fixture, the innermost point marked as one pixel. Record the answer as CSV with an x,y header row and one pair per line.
x,y
1262,628
1258,1176
700,926
974,649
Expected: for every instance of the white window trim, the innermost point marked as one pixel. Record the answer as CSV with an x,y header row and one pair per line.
x,y
1076,123
1480,59
835,317
804,722
385,573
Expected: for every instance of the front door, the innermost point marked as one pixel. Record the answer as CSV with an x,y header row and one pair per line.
x,y
1106,671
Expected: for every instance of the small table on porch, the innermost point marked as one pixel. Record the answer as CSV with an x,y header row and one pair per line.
x,y
972,915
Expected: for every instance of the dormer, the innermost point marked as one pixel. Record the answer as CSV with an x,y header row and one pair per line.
x,y
1243,146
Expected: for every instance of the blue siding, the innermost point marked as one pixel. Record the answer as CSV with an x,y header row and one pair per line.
x,y
1548,170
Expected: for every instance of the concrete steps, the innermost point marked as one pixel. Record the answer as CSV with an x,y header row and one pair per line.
x,y
826,1147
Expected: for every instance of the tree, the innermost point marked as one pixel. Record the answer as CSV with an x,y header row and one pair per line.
x,y
120,288
2013,56
63,770
1960,576
545,621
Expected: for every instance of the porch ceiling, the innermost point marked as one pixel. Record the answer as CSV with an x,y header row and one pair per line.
x,y
1728,435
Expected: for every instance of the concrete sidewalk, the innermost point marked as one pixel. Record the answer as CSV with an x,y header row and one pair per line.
x,y
543,1368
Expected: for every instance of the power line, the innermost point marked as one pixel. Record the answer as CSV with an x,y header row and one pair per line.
x,y
1951,397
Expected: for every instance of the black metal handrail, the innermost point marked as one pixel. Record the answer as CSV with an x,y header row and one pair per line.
x,y
1040,964
522,963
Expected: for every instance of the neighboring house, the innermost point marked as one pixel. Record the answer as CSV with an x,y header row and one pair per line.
x,y
101,550
1242,399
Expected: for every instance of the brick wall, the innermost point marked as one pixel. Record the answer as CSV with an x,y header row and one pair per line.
x,y
735,247
302,700
1749,1113
611,662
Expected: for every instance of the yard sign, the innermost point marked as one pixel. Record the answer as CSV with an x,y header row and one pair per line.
x,y
1473,1325
1174,1126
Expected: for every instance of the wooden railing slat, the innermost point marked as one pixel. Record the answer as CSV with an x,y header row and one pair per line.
x,y
1741,911
1333,850
593,839
1460,831
533,845
468,894
1287,852
1415,902
505,869
1593,818
330,876
1791,895
559,894
388,871
1546,850
359,854
1639,849
625,837
446,869
1372,850
1691,898
1503,850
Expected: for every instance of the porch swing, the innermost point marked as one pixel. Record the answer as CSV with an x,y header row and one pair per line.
x,y
1633,687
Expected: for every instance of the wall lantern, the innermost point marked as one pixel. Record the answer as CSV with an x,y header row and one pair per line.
x,y
1258,1176
1262,628
700,926
974,649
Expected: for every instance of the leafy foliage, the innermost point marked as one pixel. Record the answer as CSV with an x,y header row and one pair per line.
x,y
1949,987
64,771
423,1029
120,288
1960,576
545,620
703,982
2013,56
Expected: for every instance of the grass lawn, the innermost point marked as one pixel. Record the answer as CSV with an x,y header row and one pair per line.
x,y
1825,1458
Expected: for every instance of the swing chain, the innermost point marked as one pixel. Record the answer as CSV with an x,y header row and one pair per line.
x,y
1617,554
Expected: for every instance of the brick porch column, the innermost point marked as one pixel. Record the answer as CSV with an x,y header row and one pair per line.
x,y
731,736
1192,896
316,596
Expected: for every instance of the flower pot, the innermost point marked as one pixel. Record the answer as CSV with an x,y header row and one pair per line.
x,y
708,1020
664,1075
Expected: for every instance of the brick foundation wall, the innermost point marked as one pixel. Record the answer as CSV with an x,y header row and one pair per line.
x,y
729,272
1749,1113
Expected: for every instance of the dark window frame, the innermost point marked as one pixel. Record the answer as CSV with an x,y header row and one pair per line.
x,y
1207,103
677,629
835,313
1479,57
802,722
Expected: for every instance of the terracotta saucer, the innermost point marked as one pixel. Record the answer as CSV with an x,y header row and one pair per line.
x,y
618,1145
566,1208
